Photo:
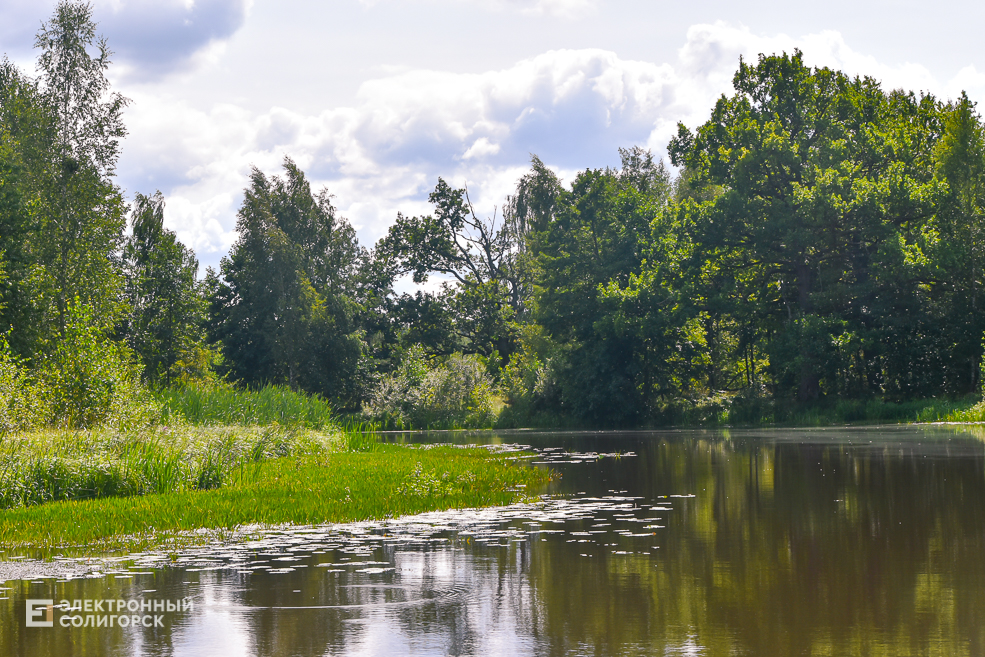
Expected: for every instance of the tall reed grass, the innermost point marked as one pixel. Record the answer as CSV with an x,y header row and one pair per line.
x,y
225,405
974,413
46,466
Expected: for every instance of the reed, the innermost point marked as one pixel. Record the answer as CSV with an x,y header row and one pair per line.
x,y
44,466
225,405
974,413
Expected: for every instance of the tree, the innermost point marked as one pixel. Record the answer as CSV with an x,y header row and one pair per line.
x,y
13,228
285,309
65,128
823,186
480,256
957,240
591,241
82,216
165,323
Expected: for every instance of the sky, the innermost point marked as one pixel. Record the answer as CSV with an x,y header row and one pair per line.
x,y
375,99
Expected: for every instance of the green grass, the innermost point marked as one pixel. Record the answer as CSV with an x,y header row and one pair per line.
x,y
313,488
224,405
44,466
974,413
220,459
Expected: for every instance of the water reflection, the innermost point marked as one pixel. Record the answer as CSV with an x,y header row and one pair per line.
x,y
823,542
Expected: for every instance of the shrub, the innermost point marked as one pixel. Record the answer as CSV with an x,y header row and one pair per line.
x,y
457,393
21,404
83,379
89,379
530,383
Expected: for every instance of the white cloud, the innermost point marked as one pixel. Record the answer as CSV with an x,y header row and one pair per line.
x,y
155,37
563,8
481,148
149,38
384,153
560,8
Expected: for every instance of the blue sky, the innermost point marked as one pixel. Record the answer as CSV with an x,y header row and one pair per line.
x,y
377,98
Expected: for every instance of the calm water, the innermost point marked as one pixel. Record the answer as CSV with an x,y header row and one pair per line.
x,y
781,542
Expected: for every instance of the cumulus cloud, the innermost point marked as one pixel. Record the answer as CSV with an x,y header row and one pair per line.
x,y
384,153
155,37
149,37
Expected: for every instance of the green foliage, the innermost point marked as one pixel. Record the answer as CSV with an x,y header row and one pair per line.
x,y
77,211
483,259
284,310
429,394
591,246
217,405
820,255
90,380
529,383
22,403
165,324
84,380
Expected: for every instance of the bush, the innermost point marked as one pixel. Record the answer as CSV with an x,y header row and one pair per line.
x,y
91,380
83,380
21,403
455,394
530,384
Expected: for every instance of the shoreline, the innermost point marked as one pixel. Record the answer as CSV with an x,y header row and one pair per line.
x,y
301,490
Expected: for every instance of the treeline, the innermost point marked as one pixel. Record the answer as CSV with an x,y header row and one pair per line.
x,y
820,240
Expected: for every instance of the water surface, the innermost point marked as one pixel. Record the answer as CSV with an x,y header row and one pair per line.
x,y
771,542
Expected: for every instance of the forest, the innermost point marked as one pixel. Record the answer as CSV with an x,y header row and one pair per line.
x,y
817,241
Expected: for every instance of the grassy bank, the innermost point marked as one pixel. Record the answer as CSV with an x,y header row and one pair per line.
x,y
221,458
843,411
736,411
310,488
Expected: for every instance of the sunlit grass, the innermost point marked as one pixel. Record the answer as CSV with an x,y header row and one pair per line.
x,y
974,413
225,405
50,465
307,489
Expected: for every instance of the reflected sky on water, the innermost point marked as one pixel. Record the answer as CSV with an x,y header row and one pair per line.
x,y
866,541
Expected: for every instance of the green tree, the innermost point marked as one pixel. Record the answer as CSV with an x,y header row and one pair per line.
x,y
594,237
13,228
80,212
284,310
823,185
64,128
480,257
165,325
956,241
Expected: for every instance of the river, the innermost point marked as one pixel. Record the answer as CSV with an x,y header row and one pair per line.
x,y
835,541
